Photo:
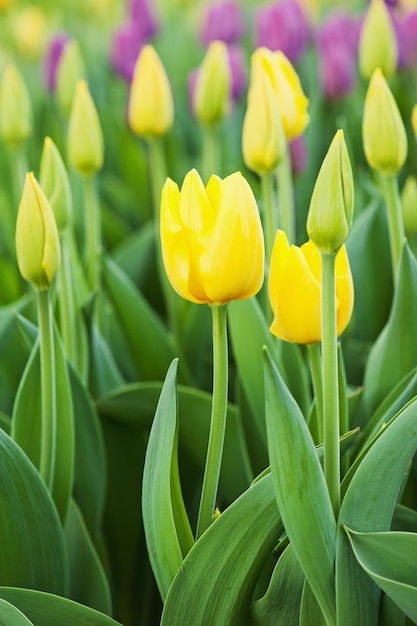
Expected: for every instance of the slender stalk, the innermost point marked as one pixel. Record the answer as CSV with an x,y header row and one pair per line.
x,y
343,407
218,419
48,388
67,302
330,380
92,233
395,219
158,174
270,218
210,152
314,355
286,214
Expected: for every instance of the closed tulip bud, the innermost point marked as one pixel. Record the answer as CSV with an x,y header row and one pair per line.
x,y
15,108
295,291
212,94
331,208
212,239
291,101
383,132
85,137
37,240
70,70
409,206
55,184
414,120
151,105
377,42
263,139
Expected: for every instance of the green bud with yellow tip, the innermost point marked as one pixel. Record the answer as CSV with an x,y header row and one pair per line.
x,y
383,132
37,240
70,70
15,108
54,181
377,42
212,94
85,137
331,207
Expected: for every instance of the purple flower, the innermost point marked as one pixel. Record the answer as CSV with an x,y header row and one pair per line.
x,y
140,12
410,38
298,155
340,28
238,70
52,58
337,71
125,46
224,21
282,26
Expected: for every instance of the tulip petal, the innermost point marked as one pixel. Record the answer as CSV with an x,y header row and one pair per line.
x,y
344,290
278,263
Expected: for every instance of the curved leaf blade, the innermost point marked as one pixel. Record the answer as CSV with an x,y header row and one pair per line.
x,y
10,615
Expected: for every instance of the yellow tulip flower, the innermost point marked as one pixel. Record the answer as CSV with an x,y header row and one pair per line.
x,y
377,41
151,105
85,137
291,101
212,239
295,291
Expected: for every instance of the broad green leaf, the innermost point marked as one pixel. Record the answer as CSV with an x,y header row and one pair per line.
x,y
389,558
31,538
394,353
167,530
135,405
280,606
300,489
88,584
217,578
104,372
45,609
389,613
310,612
11,616
368,506
152,347
26,422
136,253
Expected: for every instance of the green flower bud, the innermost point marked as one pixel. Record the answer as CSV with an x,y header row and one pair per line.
x,y
54,181
331,208
212,95
409,206
37,239
70,70
15,108
85,137
383,132
377,42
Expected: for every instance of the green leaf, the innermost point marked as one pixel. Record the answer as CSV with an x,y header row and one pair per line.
x,y
45,609
11,616
394,353
26,422
31,539
167,530
368,506
310,612
300,489
152,348
280,606
217,578
88,584
15,350
104,373
389,558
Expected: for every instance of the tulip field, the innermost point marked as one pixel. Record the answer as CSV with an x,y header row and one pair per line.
x,y
208,313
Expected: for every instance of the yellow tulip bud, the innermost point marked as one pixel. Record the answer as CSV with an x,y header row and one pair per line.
x,y
212,95
54,181
409,205
291,101
331,208
212,239
30,32
37,240
151,105
70,71
295,291
383,132
263,138
85,137
15,108
377,42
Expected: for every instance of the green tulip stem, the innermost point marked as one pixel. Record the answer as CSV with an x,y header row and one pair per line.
x,y
395,219
210,152
343,407
314,355
158,173
66,301
93,233
330,380
286,215
218,419
48,388
270,225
